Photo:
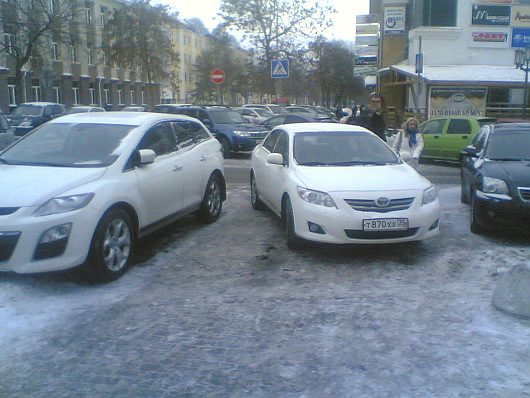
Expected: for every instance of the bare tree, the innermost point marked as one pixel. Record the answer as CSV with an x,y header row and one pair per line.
x,y
28,26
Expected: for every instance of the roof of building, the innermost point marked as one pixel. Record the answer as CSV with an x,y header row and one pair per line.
x,y
474,75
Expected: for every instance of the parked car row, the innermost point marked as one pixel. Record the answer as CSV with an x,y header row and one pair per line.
x,y
81,189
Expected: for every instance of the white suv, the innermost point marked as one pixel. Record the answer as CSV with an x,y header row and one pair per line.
x,y
82,188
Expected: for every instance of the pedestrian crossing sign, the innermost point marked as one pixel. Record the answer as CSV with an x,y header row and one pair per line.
x,y
280,69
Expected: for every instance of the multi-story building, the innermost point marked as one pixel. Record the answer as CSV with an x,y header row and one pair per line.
x,y
441,57
76,71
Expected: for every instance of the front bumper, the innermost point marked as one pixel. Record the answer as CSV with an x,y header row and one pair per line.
x,y
20,233
344,224
503,213
243,143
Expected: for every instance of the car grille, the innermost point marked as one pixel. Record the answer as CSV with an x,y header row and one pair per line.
x,y
525,193
358,234
8,241
370,205
5,211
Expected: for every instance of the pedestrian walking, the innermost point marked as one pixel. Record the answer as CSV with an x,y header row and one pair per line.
x,y
409,142
377,124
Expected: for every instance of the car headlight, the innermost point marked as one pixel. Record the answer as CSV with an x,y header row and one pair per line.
x,y
429,195
316,197
64,204
494,185
242,133
25,124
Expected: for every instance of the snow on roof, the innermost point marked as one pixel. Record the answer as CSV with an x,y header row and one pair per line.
x,y
468,74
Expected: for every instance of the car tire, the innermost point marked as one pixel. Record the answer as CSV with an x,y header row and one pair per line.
x,y
112,246
225,147
256,202
473,225
212,202
293,241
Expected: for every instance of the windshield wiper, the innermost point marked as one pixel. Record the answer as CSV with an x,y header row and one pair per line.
x,y
315,164
49,164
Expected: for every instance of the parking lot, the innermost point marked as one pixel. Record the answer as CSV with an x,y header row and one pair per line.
x,y
227,311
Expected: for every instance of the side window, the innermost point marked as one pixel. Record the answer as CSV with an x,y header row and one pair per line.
x,y
202,116
434,126
58,109
159,138
270,141
189,133
282,145
459,126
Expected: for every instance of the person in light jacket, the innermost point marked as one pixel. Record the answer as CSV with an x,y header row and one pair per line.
x,y
409,142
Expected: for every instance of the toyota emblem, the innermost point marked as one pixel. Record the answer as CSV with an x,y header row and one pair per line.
x,y
382,202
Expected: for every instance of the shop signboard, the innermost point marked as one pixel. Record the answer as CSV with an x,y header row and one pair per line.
x,y
367,40
394,21
489,38
457,101
521,16
367,29
366,19
521,37
490,15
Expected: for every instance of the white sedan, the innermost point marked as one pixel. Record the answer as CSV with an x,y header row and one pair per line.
x,y
341,184
82,188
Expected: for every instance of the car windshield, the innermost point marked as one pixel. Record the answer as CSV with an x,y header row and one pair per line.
x,y
341,148
68,145
275,108
509,146
28,110
227,116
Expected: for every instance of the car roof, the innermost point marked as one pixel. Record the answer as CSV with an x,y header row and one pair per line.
x,y
41,103
126,118
295,128
511,127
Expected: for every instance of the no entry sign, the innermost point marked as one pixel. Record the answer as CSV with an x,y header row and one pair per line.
x,y
217,76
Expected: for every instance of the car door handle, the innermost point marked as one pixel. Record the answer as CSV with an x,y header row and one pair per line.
x,y
177,168
204,158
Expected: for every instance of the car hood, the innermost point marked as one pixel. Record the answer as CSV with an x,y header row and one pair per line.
x,y
361,178
32,186
517,172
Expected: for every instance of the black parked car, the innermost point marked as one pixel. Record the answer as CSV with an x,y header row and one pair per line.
x,y
29,115
496,177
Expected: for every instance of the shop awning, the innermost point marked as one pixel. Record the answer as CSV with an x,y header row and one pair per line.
x,y
469,75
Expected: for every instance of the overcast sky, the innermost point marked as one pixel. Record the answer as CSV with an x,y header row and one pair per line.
x,y
206,11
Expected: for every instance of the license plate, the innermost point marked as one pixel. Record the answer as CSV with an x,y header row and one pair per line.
x,y
386,224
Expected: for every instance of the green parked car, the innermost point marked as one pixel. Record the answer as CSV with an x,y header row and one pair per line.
x,y
446,137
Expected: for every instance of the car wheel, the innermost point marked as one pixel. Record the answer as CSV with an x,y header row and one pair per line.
x,y
225,147
256,202
293,241
473,225
212,202
112,245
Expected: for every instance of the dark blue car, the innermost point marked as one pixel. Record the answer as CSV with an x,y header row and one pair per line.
x,y
29,115
232,130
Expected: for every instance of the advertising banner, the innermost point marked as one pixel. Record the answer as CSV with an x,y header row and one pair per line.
x,y
490,15
457,101
521,37
366,19
489,39
394,23
521,16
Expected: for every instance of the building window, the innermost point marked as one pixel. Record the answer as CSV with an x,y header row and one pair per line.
x,y
92,92
12,92
35,90
52,6
106,94
55,51
57,92
88,13
75,89
73,53
89,56
439,12
8,43
131,93
143,97
120,98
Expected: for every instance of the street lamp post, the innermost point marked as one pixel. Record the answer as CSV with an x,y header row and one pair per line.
x,y
522,62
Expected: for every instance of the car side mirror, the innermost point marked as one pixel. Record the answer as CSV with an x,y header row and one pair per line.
x,y
470,151
275,158
146,156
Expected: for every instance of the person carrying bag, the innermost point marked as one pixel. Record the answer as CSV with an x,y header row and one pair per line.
x,y
409,142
